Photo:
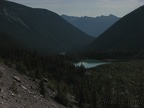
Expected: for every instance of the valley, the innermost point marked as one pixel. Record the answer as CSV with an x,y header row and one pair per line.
x,y
93,26
39,49
116,84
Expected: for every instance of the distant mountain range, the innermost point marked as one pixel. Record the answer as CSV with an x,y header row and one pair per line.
x,y
38,29
126,34
47,32
90,25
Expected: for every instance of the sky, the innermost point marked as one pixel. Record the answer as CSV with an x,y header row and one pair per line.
x,y
90,8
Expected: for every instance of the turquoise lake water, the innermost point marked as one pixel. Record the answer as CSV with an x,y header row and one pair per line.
x,y
90,63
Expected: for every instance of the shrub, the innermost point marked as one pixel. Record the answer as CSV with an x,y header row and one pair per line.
x,y
21,68
42,88
13,87
62,96
1,74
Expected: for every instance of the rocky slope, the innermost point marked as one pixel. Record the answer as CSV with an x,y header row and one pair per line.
x,y
19,91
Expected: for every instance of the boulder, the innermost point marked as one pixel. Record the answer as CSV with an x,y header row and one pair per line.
x,y
45,80
17,79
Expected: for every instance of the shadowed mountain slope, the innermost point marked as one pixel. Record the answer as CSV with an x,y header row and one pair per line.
x,y
39,29
126,34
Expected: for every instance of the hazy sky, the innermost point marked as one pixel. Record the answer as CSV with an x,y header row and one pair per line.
x,y
85,7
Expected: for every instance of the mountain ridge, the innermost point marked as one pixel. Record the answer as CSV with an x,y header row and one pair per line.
x,y
93,26
126,34
39,29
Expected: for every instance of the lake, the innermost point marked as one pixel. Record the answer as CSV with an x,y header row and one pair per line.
x,y
89,63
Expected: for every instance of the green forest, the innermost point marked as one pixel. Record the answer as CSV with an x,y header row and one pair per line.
x,y
118,84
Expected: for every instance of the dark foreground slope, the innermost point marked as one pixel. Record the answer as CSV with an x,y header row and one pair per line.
x,y
126,34
22,93
39,29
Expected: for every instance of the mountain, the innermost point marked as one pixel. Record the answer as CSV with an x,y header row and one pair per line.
x,y
90,25
39,29
126,34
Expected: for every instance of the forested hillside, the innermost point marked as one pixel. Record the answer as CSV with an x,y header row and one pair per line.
x,y
118,84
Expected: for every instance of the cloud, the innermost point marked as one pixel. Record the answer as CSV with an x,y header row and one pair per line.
x,y
141,0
